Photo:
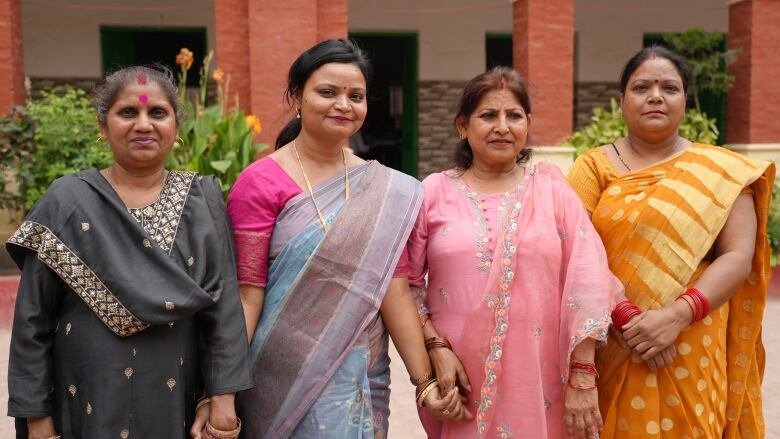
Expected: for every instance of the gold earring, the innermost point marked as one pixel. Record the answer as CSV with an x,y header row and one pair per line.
x,y
100,139
179,140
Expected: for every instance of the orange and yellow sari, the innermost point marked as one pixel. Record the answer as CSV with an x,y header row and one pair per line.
x,y
658,225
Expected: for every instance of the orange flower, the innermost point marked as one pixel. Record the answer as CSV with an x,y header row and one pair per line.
x,y
184,58
253,122
218,75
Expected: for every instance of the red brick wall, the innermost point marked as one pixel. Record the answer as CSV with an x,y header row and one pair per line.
x,y
232,36
11,60
262,38
755,97
543,51
332,18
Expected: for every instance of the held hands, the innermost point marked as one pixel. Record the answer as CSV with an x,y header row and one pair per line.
x,y
449,370
582,417
652,332
220,413
450,407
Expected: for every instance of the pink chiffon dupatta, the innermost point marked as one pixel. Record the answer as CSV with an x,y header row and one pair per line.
x,y
501,342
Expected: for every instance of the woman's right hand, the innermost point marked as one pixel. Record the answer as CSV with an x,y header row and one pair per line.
x,y
663,358
450,407
448,369
41,428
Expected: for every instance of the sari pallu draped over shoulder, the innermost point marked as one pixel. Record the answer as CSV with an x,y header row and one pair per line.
x,y
84,233
658,225
323,292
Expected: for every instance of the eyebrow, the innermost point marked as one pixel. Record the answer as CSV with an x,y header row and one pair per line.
x,y
508,109
328,84
661,80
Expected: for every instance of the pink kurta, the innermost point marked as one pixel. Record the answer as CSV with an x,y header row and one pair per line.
x,y
515,281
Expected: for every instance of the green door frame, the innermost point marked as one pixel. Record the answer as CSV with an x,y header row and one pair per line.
x,y
409,138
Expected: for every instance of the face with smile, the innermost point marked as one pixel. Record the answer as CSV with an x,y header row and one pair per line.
x,y
333,101
653,102
140,126
497,129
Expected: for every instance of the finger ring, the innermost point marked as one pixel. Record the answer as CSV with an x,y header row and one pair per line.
x,y
445,412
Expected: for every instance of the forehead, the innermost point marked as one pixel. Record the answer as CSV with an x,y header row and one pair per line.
x,y
150,89
656,68
502,98
342,74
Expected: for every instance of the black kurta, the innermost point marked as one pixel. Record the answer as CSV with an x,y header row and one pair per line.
x,y
124,318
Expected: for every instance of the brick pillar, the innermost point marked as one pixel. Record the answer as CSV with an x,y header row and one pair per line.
x,y
262,38
11,60
332,19
754,98
232,36
543,51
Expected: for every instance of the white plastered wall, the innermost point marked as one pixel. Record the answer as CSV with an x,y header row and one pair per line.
x,y
62,37
452,32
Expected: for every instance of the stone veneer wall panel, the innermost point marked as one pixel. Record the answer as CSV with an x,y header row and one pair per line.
x,y
438,101
589,95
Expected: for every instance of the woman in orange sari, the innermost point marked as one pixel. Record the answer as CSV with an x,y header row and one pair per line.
x,y
684,226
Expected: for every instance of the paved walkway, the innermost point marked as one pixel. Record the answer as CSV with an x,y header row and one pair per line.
x,y
403,420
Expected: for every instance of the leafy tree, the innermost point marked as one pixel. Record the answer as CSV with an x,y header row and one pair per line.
x,y
707,58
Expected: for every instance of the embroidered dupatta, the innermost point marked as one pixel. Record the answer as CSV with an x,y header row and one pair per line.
x,y
84,233
658,225
545,287
333,289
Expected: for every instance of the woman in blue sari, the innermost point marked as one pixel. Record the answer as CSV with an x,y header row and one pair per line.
x,y
319,236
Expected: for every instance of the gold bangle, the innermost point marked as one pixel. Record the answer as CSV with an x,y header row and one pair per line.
x,y
223,434
423,379
202,402
425,392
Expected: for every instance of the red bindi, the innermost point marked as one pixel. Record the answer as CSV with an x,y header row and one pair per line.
x,y
141,79
143,99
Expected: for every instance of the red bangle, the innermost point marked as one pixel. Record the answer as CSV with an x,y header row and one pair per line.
x,y
698,302
574,386
623,313
584,367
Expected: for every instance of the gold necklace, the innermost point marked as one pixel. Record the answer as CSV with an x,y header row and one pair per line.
x,y
308,184
633,150
620,157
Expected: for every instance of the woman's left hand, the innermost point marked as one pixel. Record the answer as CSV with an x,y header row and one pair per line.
x,y
582,417
657,330
220,413
201,417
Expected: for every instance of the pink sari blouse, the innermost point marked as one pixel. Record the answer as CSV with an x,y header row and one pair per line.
x,y
255,200
514,280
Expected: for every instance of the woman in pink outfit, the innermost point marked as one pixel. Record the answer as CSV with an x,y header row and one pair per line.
x,y
518,290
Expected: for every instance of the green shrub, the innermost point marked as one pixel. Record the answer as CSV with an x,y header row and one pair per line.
x,y
65,134
607,125
773,226
17,132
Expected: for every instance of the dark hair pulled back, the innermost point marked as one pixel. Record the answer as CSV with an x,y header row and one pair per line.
x,y
679,62
342,50
497,78
108,90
